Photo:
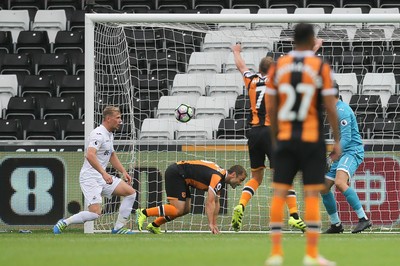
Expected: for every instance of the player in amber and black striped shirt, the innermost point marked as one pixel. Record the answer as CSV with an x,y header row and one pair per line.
x,y
299,83
259,139
179,177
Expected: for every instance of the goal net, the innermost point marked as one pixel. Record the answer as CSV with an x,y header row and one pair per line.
x,y
148,65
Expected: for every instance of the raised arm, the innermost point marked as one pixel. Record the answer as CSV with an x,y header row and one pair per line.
x,y
239,62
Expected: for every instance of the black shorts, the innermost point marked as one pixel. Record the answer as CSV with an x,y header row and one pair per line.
x,y
175,185
259,143
292,156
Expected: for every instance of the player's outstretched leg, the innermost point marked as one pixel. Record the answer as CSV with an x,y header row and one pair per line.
x,y
59,227
153,229
237,217
310,261
362,225
140,218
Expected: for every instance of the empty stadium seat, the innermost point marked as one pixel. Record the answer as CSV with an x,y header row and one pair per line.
x,y
74,130
32,42
10,129
156,129
386,129
228,83
347,84
56,65
189,83
252,5
229,128
392,111
43,130
175,5
64,4
168,104
39,86
278,26
290,5
22,108
209,4
389,4
147,4
242,107
77,21
8,88
232,12
214,106
202,129
351,27
257,40
327,5
51,21
311,11
69,42
16,63
14,21
365,5
61,108
215,40
382,84
363,105
205,61
26,4
384,25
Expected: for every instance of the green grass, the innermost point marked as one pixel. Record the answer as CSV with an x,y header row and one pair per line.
x,y
76,248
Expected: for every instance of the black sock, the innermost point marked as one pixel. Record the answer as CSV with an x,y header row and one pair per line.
x,y
144,212
155,224
295,215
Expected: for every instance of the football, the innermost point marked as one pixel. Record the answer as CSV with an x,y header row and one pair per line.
x,y
183,113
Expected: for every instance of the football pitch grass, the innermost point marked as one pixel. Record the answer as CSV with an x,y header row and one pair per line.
x,y
188,249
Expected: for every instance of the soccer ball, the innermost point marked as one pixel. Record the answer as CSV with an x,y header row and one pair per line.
x,y
183,113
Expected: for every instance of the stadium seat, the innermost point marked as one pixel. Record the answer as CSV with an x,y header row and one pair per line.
x,y
158,129
366,104
382,84
8,88
10,129
14,21
69,42
168,104
365,5
242,107
39,86
257,40
16,63
201,129
51,21
229,128
214,41
26,4
77,21
209,4
229,26
327,5
392,111
389,25
74,130
175,5
148,4
64,4
362,41
22,108
311,11
205,62
389,4
252,5
6,42
32,42
60,108
56,65
227,83
78,63
214,106
144,39
351,27
347,83
290,5
43,130
189,83
386,129
272,26
168,60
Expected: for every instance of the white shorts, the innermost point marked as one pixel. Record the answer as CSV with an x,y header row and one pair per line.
x,y
93,189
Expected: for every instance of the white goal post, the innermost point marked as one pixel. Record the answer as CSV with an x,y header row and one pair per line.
x,y
115,66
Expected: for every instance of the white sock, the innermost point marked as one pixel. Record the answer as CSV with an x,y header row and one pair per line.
x,y
125,210
81,217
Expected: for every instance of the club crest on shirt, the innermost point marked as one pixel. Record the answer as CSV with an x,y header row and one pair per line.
x,y
343,122
184,195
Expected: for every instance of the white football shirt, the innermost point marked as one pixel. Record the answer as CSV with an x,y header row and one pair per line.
x,y
102,140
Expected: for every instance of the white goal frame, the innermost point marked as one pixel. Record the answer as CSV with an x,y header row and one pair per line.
x,y
91,19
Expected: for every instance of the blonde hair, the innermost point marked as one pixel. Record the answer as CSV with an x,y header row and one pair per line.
x,y
265,63
110,110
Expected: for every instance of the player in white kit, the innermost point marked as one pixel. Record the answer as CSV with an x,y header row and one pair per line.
x,y
95,182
